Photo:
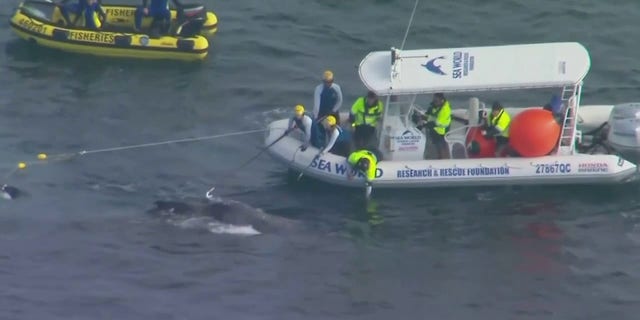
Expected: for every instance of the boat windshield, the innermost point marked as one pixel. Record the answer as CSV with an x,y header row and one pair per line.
x,y
39,9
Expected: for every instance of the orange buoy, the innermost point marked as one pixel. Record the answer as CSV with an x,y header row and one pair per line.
x,y
478,146
533,133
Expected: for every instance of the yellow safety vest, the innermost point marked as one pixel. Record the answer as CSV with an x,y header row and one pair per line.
x,y
501,122
442,118
355,156
364,115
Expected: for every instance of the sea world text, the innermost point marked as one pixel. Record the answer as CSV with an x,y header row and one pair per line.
x,y
32,26
91,37
552,168
338,168
462,64
453,172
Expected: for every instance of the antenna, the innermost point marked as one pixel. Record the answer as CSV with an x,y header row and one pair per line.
x,y
409,25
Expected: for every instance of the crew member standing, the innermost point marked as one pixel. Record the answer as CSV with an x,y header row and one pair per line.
x,y
327,98
438,120
365,114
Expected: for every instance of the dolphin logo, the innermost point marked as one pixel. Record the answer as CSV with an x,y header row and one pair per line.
x,y
431,66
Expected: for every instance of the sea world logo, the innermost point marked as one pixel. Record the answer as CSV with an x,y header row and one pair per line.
x,y
463,63
407,141
433,67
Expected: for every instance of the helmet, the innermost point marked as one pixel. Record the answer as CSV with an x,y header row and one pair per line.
x,y
327,76
299,110
331,120
363,163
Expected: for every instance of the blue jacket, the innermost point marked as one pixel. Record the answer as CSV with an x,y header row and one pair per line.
x,y
159,4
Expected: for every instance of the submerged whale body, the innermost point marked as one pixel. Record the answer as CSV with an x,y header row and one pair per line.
x,y
8,192
224,211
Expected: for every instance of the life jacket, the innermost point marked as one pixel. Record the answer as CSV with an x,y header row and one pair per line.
x,y
441,116
355,156
364,114
501,122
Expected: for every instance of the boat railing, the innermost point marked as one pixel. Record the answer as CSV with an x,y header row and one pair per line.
x,y
457,137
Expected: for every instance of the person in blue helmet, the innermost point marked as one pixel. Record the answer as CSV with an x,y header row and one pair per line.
x,y
158,9
86,9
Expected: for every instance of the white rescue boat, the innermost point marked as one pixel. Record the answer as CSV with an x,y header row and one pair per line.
x,y
586,148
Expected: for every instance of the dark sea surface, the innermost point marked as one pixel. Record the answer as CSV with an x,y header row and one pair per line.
x,y
81,244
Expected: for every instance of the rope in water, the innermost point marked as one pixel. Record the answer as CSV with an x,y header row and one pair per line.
x,y
44,158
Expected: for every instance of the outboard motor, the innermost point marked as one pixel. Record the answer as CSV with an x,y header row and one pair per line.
x,y
190,20
190,12
190,28
624,132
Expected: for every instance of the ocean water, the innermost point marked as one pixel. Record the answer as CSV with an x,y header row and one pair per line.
x,y
81,243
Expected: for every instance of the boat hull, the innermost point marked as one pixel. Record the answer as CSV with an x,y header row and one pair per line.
x,y
122,15
547,170
105,43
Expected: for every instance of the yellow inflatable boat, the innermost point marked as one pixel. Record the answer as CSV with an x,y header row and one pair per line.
x,y
42,22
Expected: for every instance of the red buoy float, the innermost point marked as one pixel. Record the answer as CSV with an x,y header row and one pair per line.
x,y
478,146
533,133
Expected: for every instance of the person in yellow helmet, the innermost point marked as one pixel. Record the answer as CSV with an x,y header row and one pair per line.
x,y
497,126
302,121
437,120
337,139
366,162
327,97
327,100
365,114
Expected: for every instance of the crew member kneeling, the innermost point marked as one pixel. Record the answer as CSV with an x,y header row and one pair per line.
x,y
497,125
366,162
337,138
302,121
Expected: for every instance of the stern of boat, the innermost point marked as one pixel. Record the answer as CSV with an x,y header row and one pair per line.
x,y
210,26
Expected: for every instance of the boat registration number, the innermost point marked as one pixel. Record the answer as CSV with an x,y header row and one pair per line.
x,y
551,168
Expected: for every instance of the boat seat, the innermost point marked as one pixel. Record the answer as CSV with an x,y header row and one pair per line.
x,y
457,147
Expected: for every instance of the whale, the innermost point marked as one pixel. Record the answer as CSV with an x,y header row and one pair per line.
x,y
225,211
10,192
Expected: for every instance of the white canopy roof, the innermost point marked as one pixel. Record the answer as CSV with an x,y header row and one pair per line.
x,y
475,68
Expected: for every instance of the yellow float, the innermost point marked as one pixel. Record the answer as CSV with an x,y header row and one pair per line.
x,y
41,22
